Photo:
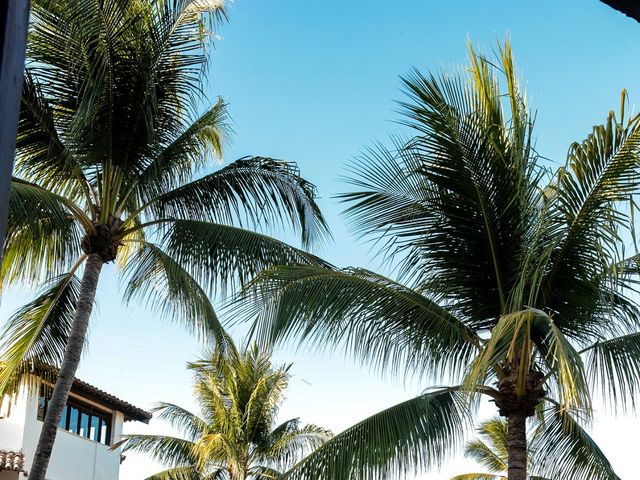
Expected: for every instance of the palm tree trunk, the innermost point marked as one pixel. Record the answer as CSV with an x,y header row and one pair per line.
x,y
67,372
517,446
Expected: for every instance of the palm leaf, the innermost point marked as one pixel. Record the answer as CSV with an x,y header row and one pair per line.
x,y
563,450
379,321
42,239
164,285
396,442
171,451
614,365
481,476
219,255
177,473
179,418
38,332
584,235
40,152
485,455
176,162
289,443
467,161
251,190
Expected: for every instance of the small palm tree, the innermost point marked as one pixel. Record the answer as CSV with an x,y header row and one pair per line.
x,y
491,451
514,282
235,436
109,142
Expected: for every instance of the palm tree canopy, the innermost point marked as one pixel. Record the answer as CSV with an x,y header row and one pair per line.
x,y
513,280
235,436
113,159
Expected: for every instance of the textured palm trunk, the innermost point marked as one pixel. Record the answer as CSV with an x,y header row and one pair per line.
x,y
67,372
517,446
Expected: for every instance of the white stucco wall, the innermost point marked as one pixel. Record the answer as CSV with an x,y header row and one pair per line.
x,y
73,458
13,417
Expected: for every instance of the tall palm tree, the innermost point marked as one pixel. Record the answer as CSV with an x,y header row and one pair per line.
x,y
512,283
108,145
235,437
490,450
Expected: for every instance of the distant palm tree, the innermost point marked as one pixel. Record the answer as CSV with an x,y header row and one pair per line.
x,y
514,280
109,141
491,451
235,436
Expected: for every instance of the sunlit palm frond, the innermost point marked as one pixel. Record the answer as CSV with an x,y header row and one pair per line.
x,y
480,476
181,419
486,456
289,442
42,238
239,392
516,338
38,332
177,473
170,451
585,235
176,162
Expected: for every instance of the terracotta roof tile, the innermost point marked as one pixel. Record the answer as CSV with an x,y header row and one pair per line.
x,y
90,392
12,461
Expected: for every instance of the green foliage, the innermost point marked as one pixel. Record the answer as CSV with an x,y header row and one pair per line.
x,y
404,438
235,435
114,132
509,274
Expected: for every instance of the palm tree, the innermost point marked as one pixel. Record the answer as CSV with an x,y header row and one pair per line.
x,y
490,450
235,437
512,280
108,144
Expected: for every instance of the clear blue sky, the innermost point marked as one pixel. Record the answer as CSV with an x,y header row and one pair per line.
x,y
315,82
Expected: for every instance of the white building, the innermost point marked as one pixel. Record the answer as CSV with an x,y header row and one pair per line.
x,y
91,423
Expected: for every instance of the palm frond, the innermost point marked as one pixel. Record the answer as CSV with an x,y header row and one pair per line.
x,y
515,339
563,450
614,366
480,476
42,238
485,455
466,182
177,473
40,153
256,191
173,452
405,438
158,280
187,423
584,236
220,255
379,321
289,442
176,162
38,332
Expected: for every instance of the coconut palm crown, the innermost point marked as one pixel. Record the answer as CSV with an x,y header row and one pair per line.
x,y
513,280
111,147
235,436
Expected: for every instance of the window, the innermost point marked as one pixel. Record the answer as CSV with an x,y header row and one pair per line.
x,y
81,419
